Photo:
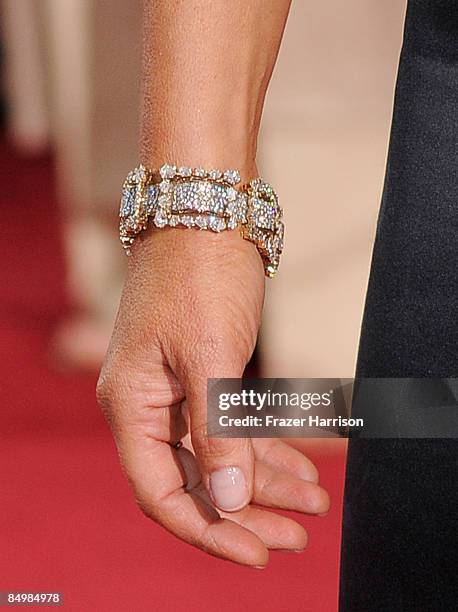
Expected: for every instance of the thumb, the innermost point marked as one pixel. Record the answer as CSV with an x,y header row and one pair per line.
x,y
226,464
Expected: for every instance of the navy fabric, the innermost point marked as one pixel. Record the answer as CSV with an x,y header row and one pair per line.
x,y
400,530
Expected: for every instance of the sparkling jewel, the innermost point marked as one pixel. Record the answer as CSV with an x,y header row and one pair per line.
x,y
215,175
132,223
202,222
232,177
217,224
242,217
164,186
160,219
186,197
187,220
199,172
201,196
184,171
138,174
151,198
127,202
231,193
167,171
231,207
271,270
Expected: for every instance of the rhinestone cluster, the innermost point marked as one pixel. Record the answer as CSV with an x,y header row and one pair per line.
x,y
133,210
264,224
208,200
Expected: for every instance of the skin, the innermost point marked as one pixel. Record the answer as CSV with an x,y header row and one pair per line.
x,y
192,301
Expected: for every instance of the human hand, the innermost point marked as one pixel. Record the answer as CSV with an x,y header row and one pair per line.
x,y
191,310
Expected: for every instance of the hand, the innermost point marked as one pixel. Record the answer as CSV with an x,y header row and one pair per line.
x,y
191,310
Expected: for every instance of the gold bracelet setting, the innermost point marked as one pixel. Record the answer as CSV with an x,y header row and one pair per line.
x,y
207,200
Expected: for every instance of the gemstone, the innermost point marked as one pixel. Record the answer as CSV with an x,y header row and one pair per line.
x,y
271,270
231,208
232,177
173,221
139,173
164,186
184,171
167,171
202,222
127,202
132,223
199,172
231,193
217,198
215,175
163,200
217,224
203,196
187,220
186,196
151,198
160,219
242,218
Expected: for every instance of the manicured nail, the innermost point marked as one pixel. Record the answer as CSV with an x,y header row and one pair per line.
x,y
229,488
309,476
296,551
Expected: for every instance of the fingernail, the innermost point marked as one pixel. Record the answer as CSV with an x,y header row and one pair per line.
x,y
296,551
229,488
309,477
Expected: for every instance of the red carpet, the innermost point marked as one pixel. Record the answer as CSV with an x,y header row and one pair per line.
x,y
68,522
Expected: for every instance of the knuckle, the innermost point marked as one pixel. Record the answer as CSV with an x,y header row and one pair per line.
x,y
209,346
210,544
216,351
145,508
209,447
106,389
265,485
223,447
109,392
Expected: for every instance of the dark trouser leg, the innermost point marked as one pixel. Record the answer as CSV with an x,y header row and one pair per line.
x,y
400,532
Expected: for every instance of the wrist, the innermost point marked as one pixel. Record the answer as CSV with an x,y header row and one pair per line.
x,y
218,147
188,253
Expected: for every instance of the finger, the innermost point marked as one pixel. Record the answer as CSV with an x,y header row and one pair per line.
x,y
284,458
281,490
159,480
164,424
193,476
276,531
226,464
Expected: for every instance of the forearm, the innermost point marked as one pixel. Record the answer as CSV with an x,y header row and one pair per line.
x,y
206,70
207,65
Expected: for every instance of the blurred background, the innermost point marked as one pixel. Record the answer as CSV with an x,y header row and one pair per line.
x,y
69,80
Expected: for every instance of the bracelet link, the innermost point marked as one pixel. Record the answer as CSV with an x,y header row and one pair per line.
x,y
208,200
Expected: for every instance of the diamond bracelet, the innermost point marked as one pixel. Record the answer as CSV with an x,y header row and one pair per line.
x,y
192,197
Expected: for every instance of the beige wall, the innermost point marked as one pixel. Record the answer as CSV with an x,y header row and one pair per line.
x,y
323,146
